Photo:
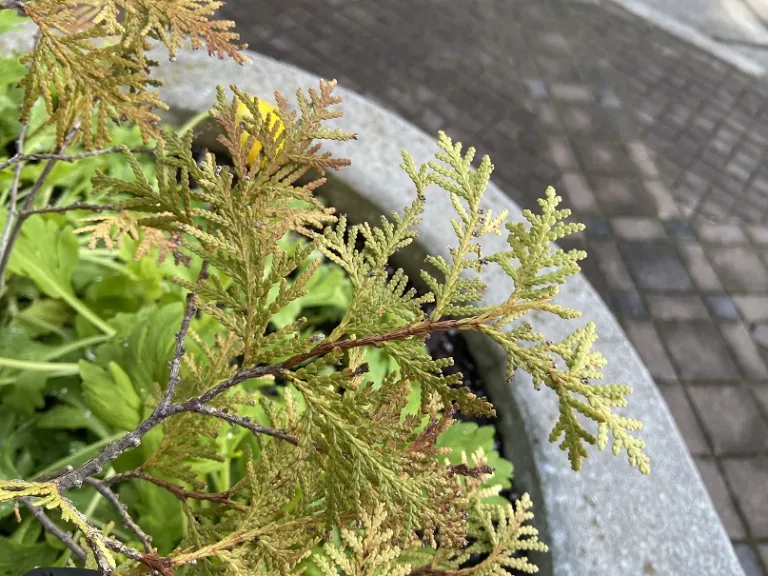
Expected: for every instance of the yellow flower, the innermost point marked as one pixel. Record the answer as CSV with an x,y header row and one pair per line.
x,y
244,114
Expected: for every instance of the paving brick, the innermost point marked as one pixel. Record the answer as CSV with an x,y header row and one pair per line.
x,y
666,207
752,308
745,351
731,419
646,340
656,267
763,549
697,351
611,265
571,92
601,156
561,153
721,498
677,307
596,227
721,234
758,234
622,197
628,304
701,270
680,230
760,335
641,157
762,397
748,478
634,229
748,559
739,268
537,88
685,419
579,194
722,307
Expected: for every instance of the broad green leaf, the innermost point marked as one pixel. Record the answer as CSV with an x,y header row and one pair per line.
x,y
47,253
110,395
63,417
43,317
17,559
144,345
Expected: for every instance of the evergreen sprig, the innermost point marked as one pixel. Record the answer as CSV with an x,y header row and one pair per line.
x,y
332,453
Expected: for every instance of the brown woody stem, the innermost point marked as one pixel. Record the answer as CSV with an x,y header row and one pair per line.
x,y
179,492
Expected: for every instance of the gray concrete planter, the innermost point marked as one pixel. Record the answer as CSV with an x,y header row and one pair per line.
x,y
606,520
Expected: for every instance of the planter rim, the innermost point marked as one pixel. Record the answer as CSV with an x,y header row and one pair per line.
x,y
606,519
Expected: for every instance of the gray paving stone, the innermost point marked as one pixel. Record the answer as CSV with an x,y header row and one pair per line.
x,y
744,349
749,560
666,207
680,230
571,92
685,419
733,423
677,308
752,308
609,261
562,155
748,478
721,497
578,194
628,304
656,267
721,234
537,88
596,227
638,229
601,157
722,307
758,234
645,338
739,268
700,269
760,335
763,549
697,351
641,157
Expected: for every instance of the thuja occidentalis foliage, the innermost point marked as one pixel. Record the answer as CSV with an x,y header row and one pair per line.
x,y
339,454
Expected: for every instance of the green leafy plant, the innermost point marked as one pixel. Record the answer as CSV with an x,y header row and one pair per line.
x,y
243,438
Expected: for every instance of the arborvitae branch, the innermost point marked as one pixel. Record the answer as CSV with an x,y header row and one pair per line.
x,y
181,493
68,208
69,157
51,528
121,509
7,247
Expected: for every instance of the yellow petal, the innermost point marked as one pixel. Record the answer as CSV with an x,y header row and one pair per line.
x,y
264,109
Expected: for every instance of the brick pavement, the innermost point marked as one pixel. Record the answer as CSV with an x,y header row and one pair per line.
x,y
658,147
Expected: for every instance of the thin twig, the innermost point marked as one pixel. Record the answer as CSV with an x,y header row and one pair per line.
x,y
426,327
175,366
19,157
122,510
194,405
51,528
67,208
181,493
151,560
7,247
13,193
